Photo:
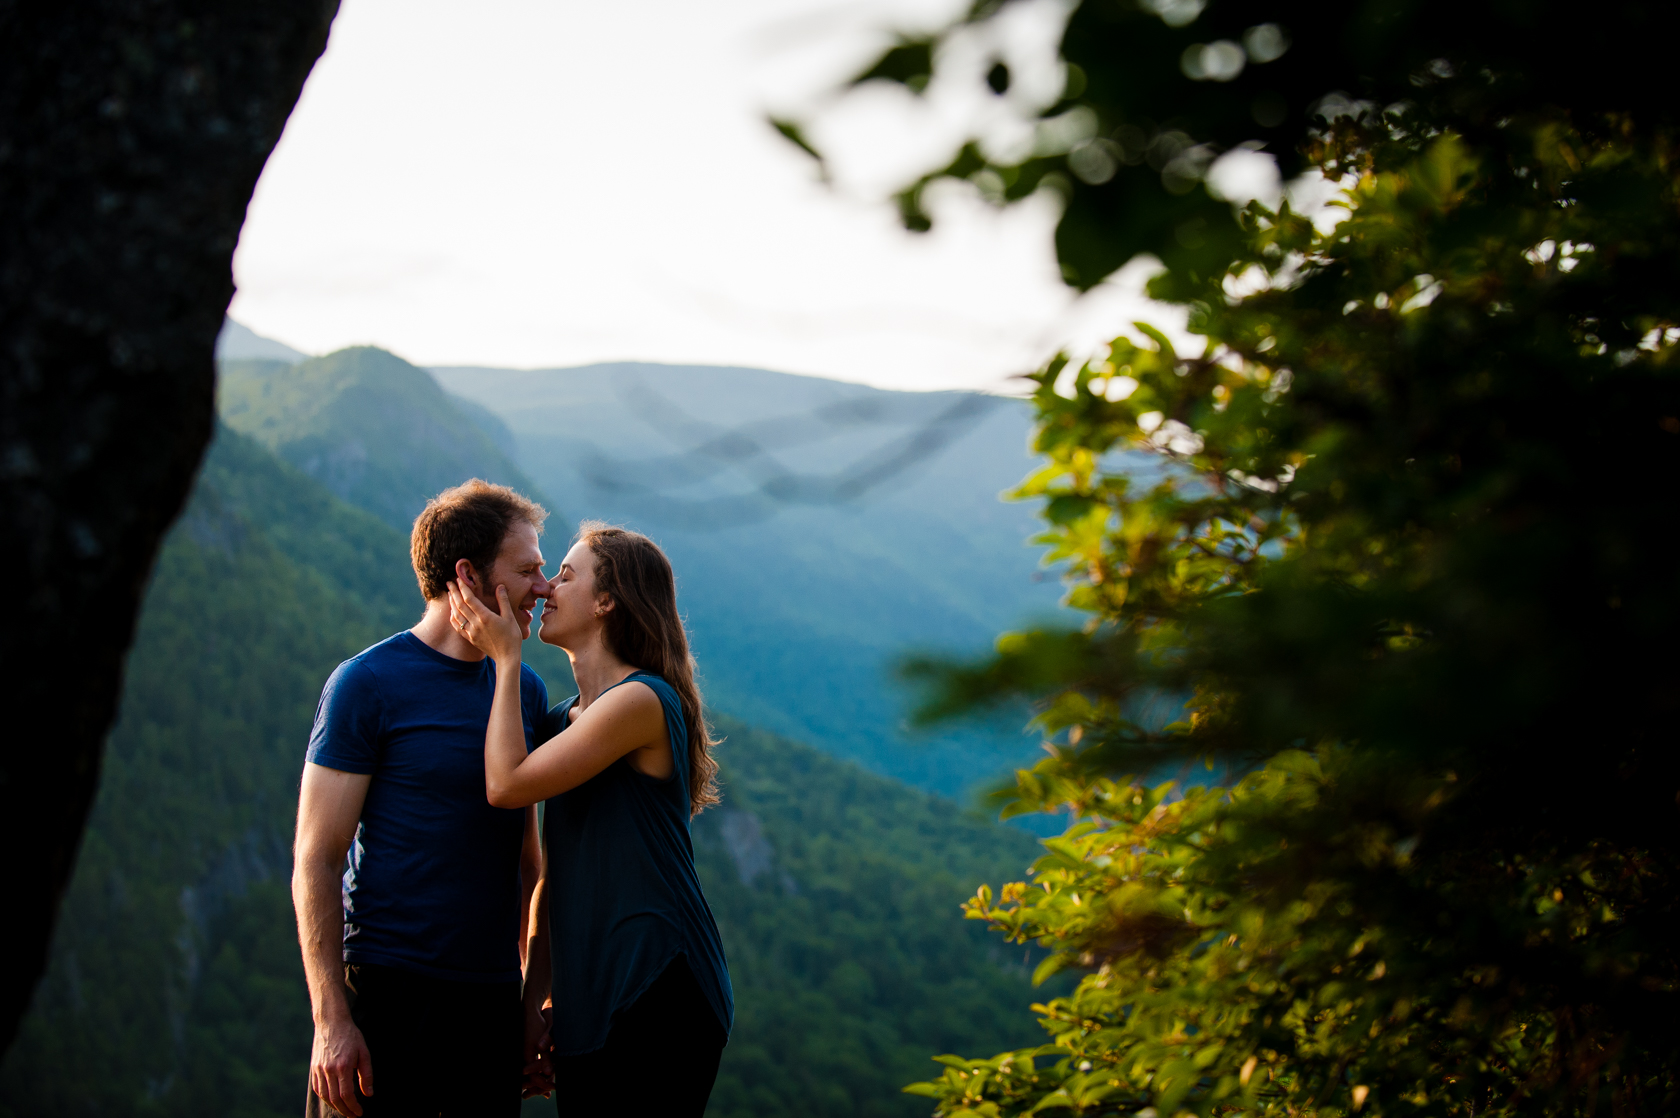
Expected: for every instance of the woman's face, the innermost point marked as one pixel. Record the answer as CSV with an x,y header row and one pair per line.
x,y
570,608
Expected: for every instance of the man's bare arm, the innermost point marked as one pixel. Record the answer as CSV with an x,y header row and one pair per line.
x,y
329,808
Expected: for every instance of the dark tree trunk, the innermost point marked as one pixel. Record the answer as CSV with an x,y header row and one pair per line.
x,y
132,133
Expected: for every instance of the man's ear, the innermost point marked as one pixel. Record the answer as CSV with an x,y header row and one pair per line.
x,y
464,573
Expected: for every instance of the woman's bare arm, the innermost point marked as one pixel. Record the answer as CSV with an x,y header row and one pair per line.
x,y
620,722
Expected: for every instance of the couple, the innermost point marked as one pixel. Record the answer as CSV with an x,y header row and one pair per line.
x,y
466,959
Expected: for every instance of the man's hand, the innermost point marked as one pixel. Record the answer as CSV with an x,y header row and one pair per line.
x,y
338,1058
539,1053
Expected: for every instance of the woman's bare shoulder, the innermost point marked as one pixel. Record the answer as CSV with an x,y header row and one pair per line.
x,y
632,696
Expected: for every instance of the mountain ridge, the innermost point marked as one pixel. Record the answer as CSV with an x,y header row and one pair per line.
x,y
238,342
374,429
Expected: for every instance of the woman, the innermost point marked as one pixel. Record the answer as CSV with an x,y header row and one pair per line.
x,y
642,1001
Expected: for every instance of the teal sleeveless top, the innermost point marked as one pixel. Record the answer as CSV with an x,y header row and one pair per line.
x,y
624,897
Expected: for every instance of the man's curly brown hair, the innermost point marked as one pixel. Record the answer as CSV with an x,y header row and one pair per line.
x,y
469,522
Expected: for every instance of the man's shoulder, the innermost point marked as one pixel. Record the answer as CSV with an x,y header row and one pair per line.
x,y
531,686
397,646
364,667
352,712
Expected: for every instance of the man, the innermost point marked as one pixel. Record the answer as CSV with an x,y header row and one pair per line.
x,y
413,958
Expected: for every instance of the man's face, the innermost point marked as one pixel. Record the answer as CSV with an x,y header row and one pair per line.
x,y
519,568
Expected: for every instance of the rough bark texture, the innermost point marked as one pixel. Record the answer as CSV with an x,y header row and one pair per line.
x,y
132,133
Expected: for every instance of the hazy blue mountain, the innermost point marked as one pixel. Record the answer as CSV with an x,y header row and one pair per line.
x,y
240,343
175,985
372,428
819,530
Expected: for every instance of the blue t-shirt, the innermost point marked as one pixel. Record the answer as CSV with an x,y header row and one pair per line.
x,y
433,885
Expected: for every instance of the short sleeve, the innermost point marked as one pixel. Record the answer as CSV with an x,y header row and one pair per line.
x,y
553,721
533,694
347,723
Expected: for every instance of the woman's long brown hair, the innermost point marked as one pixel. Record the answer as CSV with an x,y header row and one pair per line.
x,y
645,630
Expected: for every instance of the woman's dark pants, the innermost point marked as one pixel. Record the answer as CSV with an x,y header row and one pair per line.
x,y
661,1056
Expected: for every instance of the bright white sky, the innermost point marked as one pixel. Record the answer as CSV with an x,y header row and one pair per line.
x,y
553,182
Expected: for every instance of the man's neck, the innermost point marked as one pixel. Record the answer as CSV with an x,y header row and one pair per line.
x,y
436,633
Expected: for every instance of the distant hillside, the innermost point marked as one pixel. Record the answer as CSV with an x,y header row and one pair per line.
x,y
837,893
240,343
819,530
372,428
175,985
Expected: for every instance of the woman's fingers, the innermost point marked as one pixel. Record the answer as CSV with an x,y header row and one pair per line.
x,y
464,606
473,607
476,621
458,616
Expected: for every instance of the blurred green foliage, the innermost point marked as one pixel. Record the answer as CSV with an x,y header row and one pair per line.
x,y
1408,556
1153,91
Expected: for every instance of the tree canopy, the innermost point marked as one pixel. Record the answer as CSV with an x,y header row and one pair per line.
x,y
1405,552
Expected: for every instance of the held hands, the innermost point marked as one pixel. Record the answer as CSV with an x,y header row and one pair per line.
x,y
497,635
539,1054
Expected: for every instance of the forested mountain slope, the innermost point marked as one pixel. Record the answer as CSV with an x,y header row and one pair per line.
x,y
372,428
175,985
836,892
819,530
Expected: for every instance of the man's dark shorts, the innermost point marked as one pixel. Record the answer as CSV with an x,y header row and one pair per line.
x,y
454,1049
